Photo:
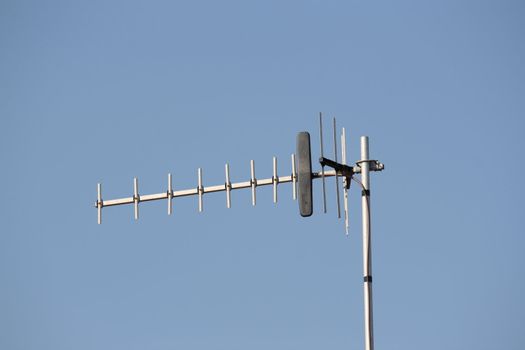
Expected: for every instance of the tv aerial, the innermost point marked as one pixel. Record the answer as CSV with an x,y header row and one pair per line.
x,y
301,178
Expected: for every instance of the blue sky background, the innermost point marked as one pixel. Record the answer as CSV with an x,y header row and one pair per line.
x,y
107,90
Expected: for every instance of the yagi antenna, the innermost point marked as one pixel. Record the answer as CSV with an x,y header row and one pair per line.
x,y
302,177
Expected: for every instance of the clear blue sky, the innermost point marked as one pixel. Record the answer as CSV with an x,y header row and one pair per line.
x,y
102,91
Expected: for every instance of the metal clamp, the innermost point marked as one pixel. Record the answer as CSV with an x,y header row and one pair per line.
x,y
374,164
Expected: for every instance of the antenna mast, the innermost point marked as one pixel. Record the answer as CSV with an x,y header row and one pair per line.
x,y
301,178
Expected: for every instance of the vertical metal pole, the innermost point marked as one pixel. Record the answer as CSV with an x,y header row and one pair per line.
x,y
367,244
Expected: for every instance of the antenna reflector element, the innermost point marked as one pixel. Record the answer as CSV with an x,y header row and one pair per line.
x,y
304,174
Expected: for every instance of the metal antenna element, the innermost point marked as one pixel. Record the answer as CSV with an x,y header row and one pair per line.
x,y
200,188
346,181
170,195
322,156
294,179
336,176
228,185
275,179
136,198
99,203
253,181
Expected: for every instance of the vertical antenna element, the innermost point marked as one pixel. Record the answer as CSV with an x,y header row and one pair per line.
x,y
253,180
336,176
275,179
294,179
170,194
136,197
228,185
99,203
345,184
322,155
200,189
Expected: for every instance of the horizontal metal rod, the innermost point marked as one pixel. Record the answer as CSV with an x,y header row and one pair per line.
x,y
209,189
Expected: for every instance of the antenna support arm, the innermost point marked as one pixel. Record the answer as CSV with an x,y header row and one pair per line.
x,y
348,171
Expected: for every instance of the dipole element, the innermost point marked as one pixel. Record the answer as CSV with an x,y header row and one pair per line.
x,y
253,181
275,179
136,198
294,178
99,203
170,195
200,189
336,177
322,155
228,185
346,180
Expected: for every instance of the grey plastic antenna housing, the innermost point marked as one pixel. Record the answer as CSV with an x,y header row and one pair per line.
x,y
304,174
